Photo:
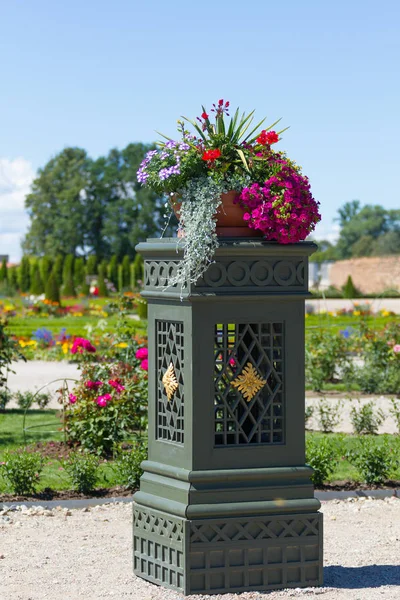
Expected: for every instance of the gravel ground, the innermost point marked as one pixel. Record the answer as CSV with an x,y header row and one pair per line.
x,y
70,554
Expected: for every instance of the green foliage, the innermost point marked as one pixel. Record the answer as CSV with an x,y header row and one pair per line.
x,y
329,414
327,356
37,287
113,271
375,462
128,465
83,471
25,400
57,270
13,277
5,398
68,276
349,289
322,456
3,271
52,290
45,266
91,265
142,308
79,272
365,420
24,281
309,411
22,470
56,205
120,286
8,353
138,265
101,284
126,275
97,428
395,412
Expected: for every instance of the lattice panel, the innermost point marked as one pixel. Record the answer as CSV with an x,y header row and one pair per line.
x,y
158,552
259,554
238,418
170,411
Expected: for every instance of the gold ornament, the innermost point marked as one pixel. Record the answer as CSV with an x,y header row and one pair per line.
x,y
248,382
170,382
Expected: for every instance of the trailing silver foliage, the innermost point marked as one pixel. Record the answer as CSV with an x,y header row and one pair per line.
x,y
201,199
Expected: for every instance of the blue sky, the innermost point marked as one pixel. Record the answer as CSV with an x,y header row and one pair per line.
x,y
102,74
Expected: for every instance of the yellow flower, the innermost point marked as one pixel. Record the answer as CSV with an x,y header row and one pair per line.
x,y
31,343
357,313
65,347
385,313
22,343
122,345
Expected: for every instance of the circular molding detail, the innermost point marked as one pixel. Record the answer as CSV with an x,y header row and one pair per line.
x,y
153,273
162,273
261,273
239,273
280,275
215,276
300,272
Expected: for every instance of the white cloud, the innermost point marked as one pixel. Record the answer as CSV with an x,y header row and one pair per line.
x,y
16,177
324,231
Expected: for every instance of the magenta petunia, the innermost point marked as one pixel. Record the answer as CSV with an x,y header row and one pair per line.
x,y
144,365
142,353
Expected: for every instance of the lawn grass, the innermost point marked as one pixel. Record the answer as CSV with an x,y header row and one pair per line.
x,y
12,437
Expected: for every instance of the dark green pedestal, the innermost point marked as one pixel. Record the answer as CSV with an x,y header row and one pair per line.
x,y
225,501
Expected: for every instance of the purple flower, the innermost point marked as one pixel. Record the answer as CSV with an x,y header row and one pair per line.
x,y
168,171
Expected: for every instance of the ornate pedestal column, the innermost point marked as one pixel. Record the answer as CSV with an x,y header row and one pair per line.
x,y
225,502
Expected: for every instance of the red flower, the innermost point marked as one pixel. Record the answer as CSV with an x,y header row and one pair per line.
x,y
211,154
220,102
204,115
272,137
267,138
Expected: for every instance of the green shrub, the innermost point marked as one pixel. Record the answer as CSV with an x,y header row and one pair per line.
x,y
374,461
101,284
327,356
322,456
365,420
329,414
122,410
82,470
128,465
349,289
126,272
3,271
142,308
7,289
45,267
21,470
26,399
52,291
395,412
58,268
37,287
138,264
79,272
91,265
5,397
308,414
24,279
113,271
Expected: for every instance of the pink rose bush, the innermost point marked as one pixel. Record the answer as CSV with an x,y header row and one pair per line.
x,y
108,404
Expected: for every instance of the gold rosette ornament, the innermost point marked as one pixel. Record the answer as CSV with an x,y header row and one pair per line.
x,y
170,382
248,382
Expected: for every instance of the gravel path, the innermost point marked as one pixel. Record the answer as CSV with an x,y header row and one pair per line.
x,y
70,554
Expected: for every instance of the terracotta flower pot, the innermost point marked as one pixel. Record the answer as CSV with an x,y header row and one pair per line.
x,y
229,217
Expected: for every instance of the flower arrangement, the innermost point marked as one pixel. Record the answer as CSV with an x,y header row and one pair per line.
x,y
220,156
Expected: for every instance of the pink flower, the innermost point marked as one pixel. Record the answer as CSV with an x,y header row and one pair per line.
x,y
72,399
144,365
116,385
81,344
142,353
102,400
232,362
396,349
93,385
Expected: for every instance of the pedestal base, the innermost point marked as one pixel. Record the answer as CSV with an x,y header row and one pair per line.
x,y
220,555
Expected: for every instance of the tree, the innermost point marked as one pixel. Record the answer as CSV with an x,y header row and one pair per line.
x,y
57,205
126,275
3,271
13,277
45,266
24,280
37,286
386,244
138,266
349,289
91,265
57,269
79,272
52,290
101,283
369,222
113,271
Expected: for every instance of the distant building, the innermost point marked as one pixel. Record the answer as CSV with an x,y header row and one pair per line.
x,y
4,256
319,274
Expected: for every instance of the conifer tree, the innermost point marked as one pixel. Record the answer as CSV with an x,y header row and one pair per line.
x,y
52,288
126,263
139,268
79,272
45,266
113,271
37,286
120,278
349,289
24,279
3,271
57,269
13,277
91,265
